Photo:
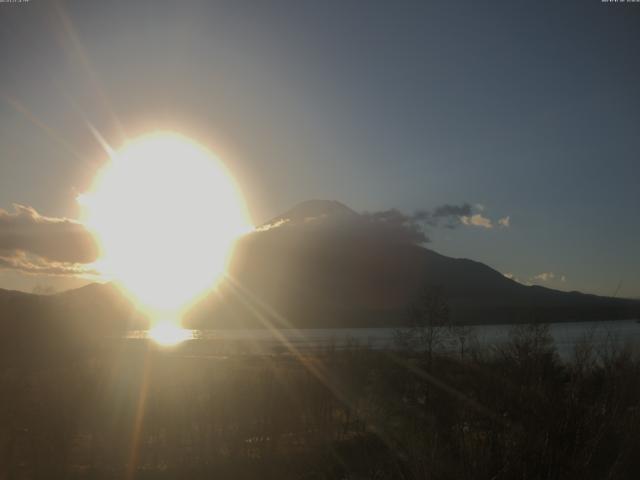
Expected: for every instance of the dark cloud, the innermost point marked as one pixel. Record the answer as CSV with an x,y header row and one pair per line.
x,y
387,225
446,210
410,228
395,225
447,215
55,240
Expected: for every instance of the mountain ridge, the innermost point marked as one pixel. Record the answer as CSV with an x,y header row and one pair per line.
x,y
321,264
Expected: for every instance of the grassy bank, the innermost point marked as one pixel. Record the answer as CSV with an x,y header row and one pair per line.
x,y
131,410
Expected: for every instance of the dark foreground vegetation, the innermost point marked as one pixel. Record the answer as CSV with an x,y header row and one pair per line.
x,y
132,410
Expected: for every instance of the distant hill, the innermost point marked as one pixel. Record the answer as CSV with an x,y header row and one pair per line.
x,y
44,321
321,264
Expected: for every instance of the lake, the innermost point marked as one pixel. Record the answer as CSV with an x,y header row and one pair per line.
x,y
566,335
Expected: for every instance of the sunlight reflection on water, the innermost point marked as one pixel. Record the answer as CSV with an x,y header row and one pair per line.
x,y
566,336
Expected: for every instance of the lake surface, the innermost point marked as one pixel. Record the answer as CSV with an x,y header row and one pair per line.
x,y
566,335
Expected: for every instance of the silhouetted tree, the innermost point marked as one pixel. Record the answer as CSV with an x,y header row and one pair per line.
x,y
462,335
430,319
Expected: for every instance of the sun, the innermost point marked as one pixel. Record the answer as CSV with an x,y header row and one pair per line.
x,y
165,212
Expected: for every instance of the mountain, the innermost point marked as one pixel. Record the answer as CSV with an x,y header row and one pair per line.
x,y
313,210
321,264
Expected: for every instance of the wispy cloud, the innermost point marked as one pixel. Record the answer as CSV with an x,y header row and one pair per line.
x,y
505,221
477,220
511,276
544,277
269,226
35,265
548,277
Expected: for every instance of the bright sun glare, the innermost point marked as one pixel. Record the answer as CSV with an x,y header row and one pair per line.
x,y
166,213
169,333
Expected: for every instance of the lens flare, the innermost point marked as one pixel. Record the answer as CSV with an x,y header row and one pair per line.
x,y
165,213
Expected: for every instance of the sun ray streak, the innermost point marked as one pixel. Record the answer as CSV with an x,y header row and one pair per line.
x,y
136,431
36,121
313,364
83,57
100,139
318,369
436,382
83,116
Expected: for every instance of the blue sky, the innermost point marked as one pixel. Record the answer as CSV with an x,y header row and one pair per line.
x,y
530,109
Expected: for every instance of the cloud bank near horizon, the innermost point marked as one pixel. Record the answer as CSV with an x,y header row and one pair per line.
x,y
31,243
35,244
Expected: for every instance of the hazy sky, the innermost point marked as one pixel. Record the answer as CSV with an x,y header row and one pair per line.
x,y
529,108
